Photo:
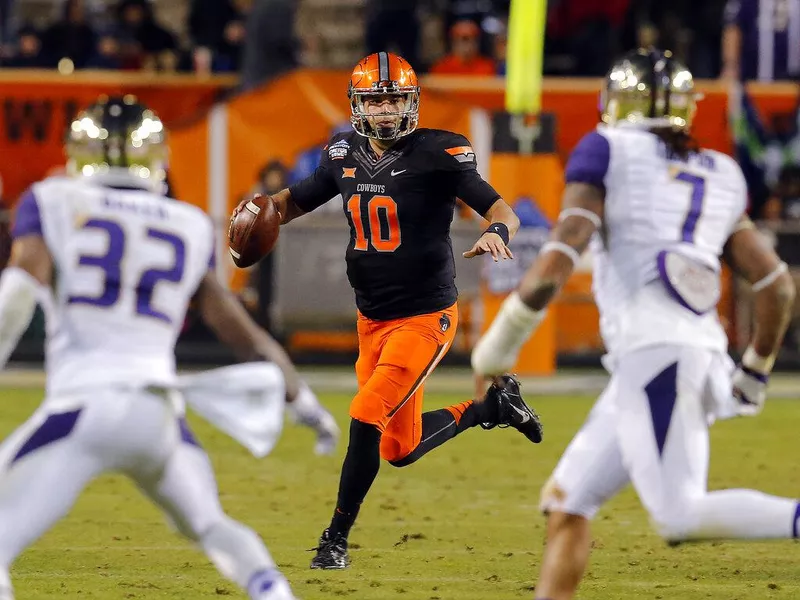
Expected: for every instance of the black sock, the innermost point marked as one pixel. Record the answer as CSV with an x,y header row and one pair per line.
x,y
361,464
441,425
474,412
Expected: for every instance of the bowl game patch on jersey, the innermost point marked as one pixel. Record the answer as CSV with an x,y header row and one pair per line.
x,y
338,150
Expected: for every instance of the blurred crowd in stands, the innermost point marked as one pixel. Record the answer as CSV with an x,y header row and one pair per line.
x,y
752,39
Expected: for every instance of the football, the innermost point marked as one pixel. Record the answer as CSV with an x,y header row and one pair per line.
x,y
253,231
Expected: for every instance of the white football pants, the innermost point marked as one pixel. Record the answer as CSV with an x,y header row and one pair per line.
x,y
650,428
49,460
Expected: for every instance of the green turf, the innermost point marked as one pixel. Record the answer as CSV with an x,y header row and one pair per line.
x,y
461,524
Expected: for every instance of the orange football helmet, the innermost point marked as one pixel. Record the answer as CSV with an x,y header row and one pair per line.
x,y
384,73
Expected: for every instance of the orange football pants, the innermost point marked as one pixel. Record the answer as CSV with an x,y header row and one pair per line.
x,y
394,359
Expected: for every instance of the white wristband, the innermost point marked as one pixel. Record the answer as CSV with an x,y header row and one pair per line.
x,y
565,249
581,212
771,278
762,364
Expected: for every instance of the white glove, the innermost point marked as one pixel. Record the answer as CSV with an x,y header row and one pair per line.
x,y
750,390
497,350
306,410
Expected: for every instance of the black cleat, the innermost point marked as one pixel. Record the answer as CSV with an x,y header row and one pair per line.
x,y
512,411
331,552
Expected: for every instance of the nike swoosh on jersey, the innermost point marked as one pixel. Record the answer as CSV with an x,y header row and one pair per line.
x,y
393,173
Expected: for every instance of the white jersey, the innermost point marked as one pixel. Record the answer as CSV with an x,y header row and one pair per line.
x,y
655,202
127,263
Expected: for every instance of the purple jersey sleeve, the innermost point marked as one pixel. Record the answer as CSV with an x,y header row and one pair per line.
x,y
588,162
27,220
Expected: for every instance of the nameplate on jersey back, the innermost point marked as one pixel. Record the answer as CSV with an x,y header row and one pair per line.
x,y
694,285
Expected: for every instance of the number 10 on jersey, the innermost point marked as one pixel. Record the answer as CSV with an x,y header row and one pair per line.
x,y
382,229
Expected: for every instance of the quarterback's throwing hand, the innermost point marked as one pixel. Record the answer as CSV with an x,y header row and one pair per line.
x,y
491,243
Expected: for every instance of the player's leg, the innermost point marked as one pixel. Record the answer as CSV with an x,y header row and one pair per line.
x,y
408,356
663,436
51,451
362,460
182,483
589,473
502,404
395,357
410,433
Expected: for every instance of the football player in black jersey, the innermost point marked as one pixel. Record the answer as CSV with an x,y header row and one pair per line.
x,y
400,185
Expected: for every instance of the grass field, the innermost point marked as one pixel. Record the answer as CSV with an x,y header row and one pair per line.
x,y
461,524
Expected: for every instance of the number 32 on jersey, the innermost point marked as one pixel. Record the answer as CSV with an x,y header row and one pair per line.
x,y
382,227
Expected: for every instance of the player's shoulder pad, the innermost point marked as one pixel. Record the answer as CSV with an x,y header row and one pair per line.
x,y
339,145
727,167
615,135
721,161
590,159
449,150
36,201
56,188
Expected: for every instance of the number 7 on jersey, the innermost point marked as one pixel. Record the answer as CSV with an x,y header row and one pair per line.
x,y
695,205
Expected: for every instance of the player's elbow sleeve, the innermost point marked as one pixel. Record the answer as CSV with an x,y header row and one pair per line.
x,y
19,292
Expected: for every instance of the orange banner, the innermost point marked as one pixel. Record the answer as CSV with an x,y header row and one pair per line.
x,y
301,109
37,107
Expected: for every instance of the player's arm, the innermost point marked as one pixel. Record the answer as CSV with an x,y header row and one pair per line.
x,y
750,257
503,226
522,312
305,195
308,194
302,197
581,216
29,269
229,320
286,206
480,196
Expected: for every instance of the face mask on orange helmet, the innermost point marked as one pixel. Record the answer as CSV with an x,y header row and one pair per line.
x,y
377,75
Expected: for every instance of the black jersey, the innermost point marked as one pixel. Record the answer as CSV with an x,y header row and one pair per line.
x,y
399,206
